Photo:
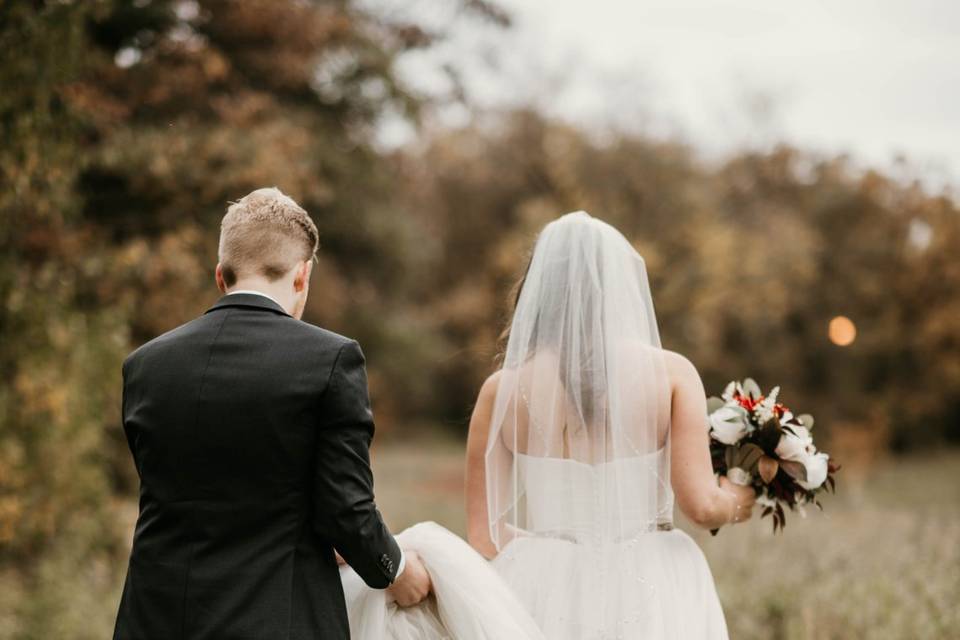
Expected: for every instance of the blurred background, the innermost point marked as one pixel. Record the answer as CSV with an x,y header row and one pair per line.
x,y
788,172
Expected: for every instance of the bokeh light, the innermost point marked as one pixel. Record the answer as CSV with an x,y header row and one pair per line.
x,y
842,331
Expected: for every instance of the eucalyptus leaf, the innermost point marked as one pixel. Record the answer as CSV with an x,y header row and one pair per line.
x,y
714,403
806,420
751,388
747,456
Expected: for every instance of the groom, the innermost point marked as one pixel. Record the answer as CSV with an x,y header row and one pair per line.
x,y
250,432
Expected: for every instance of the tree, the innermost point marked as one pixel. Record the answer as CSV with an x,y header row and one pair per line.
x,y
127,128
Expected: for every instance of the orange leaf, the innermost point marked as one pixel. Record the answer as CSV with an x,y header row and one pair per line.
x,y
767,468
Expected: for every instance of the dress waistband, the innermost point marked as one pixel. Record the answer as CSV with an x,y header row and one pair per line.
x,y
660,526
586,538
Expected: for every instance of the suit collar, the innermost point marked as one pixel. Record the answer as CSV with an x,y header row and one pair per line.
x,y
249,300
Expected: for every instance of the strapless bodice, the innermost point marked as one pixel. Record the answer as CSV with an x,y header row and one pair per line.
x,y
610,501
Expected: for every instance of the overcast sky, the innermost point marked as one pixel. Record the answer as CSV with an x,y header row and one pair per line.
x,y
874,78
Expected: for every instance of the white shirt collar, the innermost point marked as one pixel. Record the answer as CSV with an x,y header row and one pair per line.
x,y
256,293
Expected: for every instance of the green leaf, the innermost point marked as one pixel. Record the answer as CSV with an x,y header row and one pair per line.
x,y
747,457
751,388
714,403
806,420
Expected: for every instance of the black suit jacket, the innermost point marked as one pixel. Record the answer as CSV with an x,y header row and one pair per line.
x,y
250,431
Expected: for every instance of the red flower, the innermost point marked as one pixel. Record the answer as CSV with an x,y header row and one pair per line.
x,y
747,402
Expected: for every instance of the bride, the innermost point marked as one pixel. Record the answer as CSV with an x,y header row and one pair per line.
x,y
578,447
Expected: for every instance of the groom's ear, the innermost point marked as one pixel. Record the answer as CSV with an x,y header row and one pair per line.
x,y
302,278
221,284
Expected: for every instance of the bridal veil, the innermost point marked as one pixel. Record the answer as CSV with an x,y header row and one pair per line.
x,y
578,450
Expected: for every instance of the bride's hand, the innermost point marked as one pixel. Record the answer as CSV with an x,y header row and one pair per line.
x,y
743,499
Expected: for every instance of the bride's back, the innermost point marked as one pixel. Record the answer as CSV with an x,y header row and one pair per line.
x,y
545,421
590,480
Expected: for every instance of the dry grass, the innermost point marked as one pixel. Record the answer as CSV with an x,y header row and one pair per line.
x,y
882,562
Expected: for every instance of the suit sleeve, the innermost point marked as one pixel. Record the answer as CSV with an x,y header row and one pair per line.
x,y
345,512
131,437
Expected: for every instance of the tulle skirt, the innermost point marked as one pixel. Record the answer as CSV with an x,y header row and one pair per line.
x,y
655,587
470,601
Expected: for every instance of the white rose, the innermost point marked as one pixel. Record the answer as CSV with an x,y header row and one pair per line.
x,y
795,446
816,466
728,425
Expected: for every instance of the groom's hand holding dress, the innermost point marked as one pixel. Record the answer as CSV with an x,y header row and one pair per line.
x,y
413,584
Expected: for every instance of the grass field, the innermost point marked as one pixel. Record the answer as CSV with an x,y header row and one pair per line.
x,y
882,562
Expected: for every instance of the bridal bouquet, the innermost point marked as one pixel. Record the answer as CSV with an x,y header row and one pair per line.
x,y
757,441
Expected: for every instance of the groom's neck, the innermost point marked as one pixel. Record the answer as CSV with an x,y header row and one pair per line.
x,y
280,290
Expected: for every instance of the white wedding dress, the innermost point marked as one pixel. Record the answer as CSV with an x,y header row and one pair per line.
x,y
577,469
539,587
652,584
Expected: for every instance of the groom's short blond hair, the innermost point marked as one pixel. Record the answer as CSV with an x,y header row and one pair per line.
x,y
265,233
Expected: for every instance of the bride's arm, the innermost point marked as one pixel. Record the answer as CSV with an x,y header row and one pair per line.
x,y
478,524
691,471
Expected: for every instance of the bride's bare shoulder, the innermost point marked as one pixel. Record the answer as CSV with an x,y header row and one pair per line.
x,y
681,370
678,363
678,366
488,390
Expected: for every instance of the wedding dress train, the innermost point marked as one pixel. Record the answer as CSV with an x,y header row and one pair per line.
x,y
469,601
